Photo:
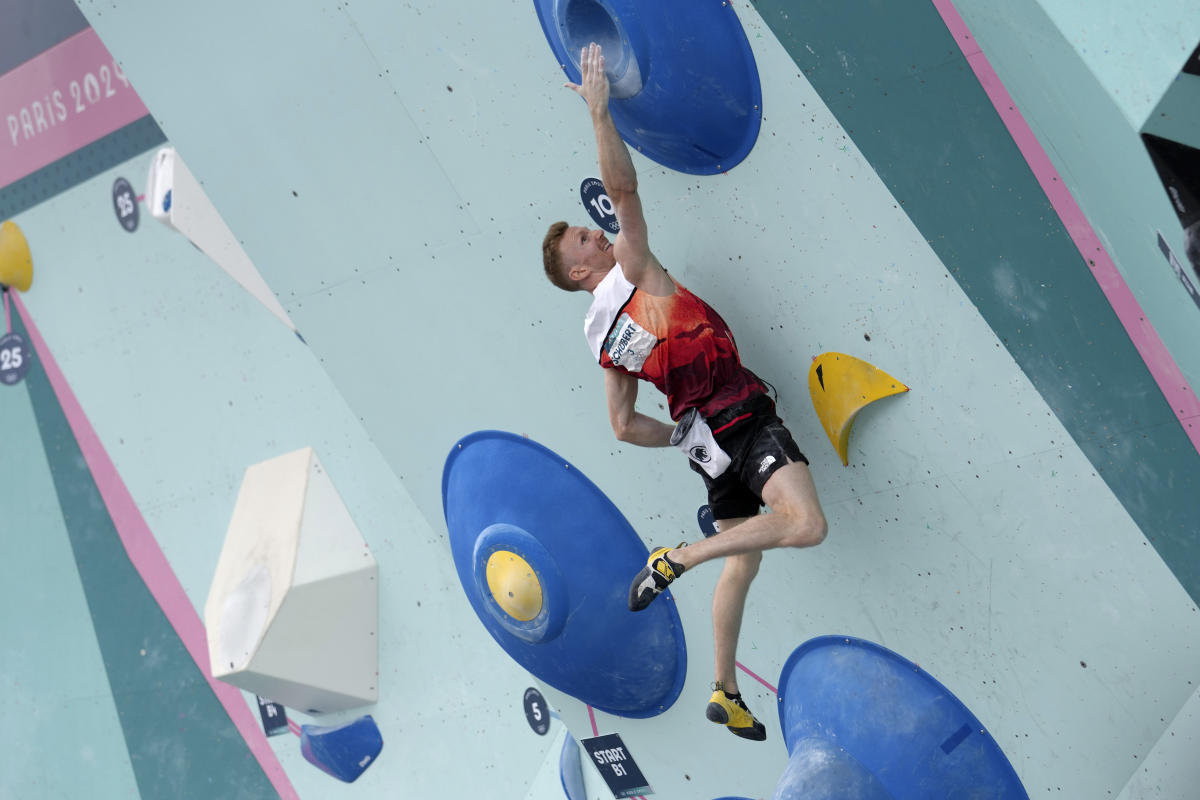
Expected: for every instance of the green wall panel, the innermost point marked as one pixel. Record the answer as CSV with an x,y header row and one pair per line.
x,y
897,82
175,730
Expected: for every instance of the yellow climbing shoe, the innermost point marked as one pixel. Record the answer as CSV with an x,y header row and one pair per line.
x,y
654,577
730,711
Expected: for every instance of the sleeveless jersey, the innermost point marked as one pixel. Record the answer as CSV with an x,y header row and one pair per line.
x,y
678,343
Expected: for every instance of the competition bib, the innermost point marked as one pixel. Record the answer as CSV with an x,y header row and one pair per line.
x,y
629,344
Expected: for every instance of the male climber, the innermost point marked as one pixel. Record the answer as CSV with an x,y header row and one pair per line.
x,y
644,325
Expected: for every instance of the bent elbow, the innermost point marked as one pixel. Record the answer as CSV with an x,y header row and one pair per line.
x,y
622,428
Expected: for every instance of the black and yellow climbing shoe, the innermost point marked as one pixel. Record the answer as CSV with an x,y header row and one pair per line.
x,y
730,711
654,577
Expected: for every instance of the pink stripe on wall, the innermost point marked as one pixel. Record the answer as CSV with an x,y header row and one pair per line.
x,y
1154,353
62,100
747,670
592,718
151,564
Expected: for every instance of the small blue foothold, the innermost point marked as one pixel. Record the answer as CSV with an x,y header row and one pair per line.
x,y
167,201
343,751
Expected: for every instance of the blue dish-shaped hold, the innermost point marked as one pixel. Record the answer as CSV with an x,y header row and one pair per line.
x,y
855,713
684,84
546,559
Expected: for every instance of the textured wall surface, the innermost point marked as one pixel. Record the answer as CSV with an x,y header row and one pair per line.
x,y
390,169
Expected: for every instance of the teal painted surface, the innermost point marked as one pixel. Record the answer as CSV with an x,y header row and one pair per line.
x,y
917,112
57,706
1134,51
174,728
1096,150
84,163
1170,771
1177,115
188,381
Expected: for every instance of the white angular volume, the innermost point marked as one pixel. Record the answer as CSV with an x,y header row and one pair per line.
x,y
293,610
177,200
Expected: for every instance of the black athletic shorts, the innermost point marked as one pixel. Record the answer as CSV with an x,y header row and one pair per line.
x,y
757,443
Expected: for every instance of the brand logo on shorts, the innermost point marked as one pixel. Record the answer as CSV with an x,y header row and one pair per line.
x,y
700,453
765,464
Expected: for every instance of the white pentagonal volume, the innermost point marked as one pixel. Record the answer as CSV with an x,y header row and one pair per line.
x,y
293,609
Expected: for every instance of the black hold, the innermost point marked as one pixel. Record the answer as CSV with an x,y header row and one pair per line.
x,y
1192,67
1178,167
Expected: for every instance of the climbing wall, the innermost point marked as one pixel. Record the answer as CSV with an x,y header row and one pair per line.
x,y
390,170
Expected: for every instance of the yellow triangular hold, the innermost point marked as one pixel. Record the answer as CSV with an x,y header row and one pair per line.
x,y
841,386
16,264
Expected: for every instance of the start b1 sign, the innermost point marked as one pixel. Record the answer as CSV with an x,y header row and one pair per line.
x,y
616,766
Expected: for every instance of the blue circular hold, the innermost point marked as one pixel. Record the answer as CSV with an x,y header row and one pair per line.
x,y
852,710
684,84
818,769
501,491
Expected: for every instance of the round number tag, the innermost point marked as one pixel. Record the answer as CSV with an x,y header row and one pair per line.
x,y
599,205
125,204
14,358
536,711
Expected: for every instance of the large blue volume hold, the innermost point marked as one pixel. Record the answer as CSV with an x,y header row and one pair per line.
x,y
504,493
685,89
853,712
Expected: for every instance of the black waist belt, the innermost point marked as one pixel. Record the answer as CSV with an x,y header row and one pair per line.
x,y
735,413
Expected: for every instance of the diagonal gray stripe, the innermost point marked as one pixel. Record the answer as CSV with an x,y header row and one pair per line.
x,y
30,27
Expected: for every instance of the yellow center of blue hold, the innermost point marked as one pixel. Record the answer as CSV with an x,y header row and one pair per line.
x,y
514,585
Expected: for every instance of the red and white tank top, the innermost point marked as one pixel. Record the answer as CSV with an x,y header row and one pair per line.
x,y
678,343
